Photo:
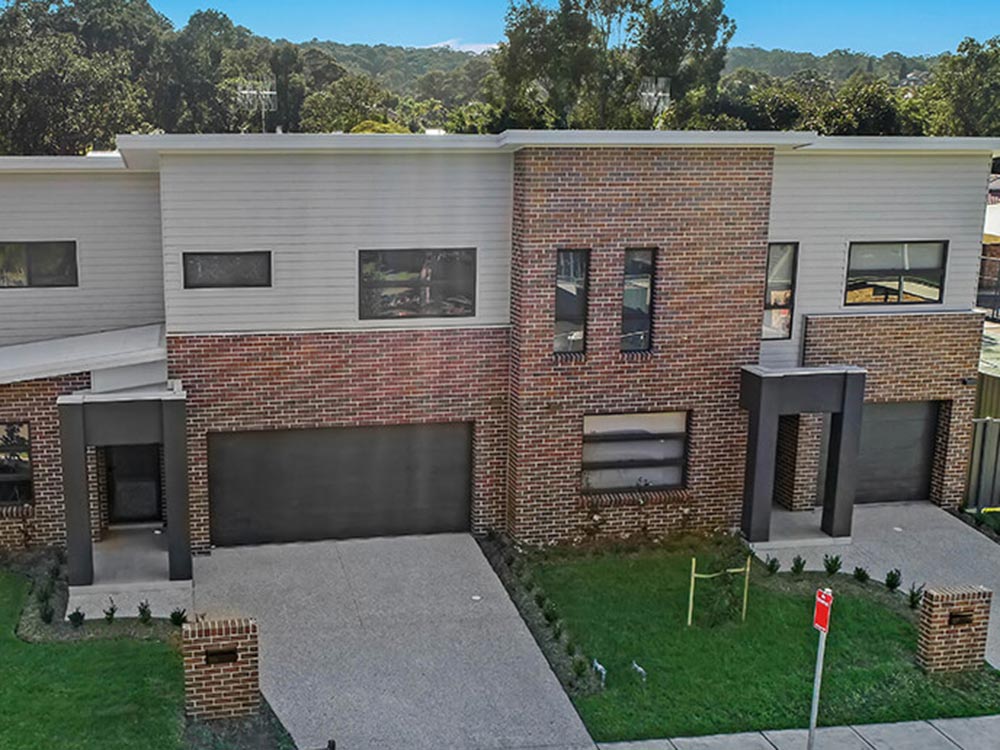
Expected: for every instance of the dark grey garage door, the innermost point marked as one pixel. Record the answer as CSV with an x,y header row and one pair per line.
x,y
299,485
896,452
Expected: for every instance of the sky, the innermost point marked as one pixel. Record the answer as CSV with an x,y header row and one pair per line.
x,y
912,27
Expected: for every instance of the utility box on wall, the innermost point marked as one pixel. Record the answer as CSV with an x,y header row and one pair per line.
x,y
221,668
954,622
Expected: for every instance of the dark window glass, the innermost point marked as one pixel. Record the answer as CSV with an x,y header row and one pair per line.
x,y
779,292
637,301
15,464
904,273
631,452
571,300
417,284
209,270
37,264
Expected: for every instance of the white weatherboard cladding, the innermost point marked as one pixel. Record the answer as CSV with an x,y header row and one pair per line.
x,y
826,201
314,213
115,220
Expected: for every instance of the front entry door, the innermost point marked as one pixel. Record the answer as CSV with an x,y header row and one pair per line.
x,y
134,484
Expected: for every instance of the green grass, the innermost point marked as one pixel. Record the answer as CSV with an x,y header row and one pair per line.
x,y
87,695
740,677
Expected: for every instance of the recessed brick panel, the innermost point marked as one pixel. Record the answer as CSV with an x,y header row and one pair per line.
x,y
221,668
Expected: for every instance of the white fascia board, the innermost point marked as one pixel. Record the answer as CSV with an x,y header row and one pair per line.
x,y
652,138
101,162
901,143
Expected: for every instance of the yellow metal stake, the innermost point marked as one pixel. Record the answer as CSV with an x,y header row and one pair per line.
x,y
694,565
746,588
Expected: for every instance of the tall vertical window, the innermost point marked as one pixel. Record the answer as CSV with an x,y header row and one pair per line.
x,y
779,293
895,273
637,301
15,464
37,264
571,300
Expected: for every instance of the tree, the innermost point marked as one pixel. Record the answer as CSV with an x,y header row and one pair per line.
x,y
863,107
372,126
343,104
967,87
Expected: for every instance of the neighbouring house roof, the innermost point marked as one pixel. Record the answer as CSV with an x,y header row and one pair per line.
x,y
92,351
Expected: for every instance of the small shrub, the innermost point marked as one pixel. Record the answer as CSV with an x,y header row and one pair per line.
x,y
519,567
570,648
861,575
772,564
47,613
112,609
54,570
145,612
76,618
579,666
798,565
893,579
557,629
832,564
540,598
44,591
549,613
528,582
178,617
508,557
914,595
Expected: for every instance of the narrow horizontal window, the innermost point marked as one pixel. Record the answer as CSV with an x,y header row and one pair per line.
x,y
15,463
417,284
637,301
779,291
896,273
223,270
38,264
571,301
634,452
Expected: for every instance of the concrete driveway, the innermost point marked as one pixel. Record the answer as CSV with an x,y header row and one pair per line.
x,y
409,642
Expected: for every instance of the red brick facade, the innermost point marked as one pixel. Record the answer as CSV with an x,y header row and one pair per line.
x,y
221,668
711,246
954,624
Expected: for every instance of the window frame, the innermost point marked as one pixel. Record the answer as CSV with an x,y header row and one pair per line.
x,y
586,300
682,461
945,251
652,300
420,316
30,284
186,284
30,478
794,284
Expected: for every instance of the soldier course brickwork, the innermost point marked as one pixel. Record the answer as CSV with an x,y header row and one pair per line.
x,y
954,623
221,668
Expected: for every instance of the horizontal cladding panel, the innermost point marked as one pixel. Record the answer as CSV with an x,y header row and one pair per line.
x,y
825,202
314,214
115,221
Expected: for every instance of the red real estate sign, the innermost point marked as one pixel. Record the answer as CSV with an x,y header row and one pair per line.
x,y
821,615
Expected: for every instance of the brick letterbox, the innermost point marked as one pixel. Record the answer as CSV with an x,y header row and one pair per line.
x,y
221,668
954,622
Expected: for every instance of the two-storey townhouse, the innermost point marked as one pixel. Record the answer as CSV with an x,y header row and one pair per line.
x,y
272,338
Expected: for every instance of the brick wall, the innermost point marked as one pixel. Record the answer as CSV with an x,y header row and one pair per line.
x,y
954,623
97,491
711,254
281,381
912,357
230,686
34,401
800,442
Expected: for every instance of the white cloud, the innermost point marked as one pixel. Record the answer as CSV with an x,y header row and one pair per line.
x,y
459,45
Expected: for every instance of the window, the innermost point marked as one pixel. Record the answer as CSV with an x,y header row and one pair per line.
x,y
907,273
24,264
637,301
628,452
571,300
220,270
779,292
417,284
15,464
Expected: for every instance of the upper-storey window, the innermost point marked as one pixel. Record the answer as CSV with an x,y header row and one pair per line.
x,y
571,300
225,270
779,291
637,301
417,284
37,264
881,273
15,464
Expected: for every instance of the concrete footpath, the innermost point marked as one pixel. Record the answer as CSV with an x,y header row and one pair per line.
x,y
981,733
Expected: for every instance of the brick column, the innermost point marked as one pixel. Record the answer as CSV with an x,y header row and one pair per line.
x,y
800,439
221,668
954,622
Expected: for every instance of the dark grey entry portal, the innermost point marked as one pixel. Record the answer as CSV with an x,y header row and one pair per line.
x,y
336,483
896,453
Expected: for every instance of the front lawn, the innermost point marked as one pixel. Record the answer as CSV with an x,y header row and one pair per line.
x,y
632,605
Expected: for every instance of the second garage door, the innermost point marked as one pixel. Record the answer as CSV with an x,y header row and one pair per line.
x,y
300,485
896,451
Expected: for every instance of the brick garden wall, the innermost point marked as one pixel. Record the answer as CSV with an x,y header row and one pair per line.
x,y
34,401
710,261
944,646
912,357
227,689
282,381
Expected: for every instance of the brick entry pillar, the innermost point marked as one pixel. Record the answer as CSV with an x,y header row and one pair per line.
x,y
221,668
954,622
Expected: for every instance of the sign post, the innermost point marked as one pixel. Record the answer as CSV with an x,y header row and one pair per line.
x,y
821,621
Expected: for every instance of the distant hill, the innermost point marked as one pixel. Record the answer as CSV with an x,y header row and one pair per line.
x,y
838,65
